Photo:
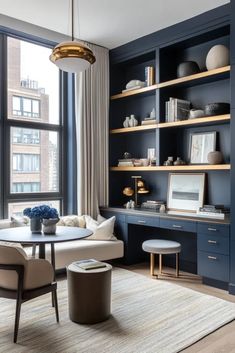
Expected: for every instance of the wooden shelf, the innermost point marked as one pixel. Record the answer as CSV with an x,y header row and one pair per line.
x,y
202,167
198,121
200,75
134,129
134,92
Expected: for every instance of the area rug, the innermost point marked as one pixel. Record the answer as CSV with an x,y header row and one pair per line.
x,y
148,316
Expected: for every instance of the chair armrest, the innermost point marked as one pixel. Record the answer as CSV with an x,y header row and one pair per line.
x,y
38,273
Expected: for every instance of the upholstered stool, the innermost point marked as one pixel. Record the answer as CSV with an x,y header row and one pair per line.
x,y
160,247
89,294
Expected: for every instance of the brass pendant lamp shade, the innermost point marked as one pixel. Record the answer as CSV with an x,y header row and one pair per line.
x,y
72,56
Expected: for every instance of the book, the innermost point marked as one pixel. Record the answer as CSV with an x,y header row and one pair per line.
x,y
148,122
176,109
89,264
211,214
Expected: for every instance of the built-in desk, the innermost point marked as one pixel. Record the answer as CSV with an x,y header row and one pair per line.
x,y
205,242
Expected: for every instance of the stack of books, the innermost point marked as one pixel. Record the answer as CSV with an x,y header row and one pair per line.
x,y
177,109
148,121
213,211
152,205
126,162
90,264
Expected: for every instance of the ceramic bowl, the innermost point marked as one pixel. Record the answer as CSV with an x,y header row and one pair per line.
x,y
196,113
217,109
187,68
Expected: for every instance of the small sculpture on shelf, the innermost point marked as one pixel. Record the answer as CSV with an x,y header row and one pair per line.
x,y
130,121
169,161
126,122
134,84
179,161
218,56
196,113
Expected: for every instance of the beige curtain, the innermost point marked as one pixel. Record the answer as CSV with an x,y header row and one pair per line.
x,y
92,105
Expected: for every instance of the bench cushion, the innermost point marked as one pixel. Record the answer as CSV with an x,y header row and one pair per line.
x,y
161,246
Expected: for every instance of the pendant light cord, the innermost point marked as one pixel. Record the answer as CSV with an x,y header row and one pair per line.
x,y
72,19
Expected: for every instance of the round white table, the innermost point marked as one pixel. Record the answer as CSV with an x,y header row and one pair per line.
x,y
25,236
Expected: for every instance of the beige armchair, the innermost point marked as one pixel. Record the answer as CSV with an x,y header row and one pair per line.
x,y
23,278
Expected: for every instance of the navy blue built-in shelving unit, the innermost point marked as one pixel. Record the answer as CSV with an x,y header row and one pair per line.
x,y
165,49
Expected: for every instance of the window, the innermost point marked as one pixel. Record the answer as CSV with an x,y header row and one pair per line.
x,y
32,127
25,187
26,107
25,136
26,162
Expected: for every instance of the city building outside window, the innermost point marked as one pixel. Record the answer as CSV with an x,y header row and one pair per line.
x,y
34,127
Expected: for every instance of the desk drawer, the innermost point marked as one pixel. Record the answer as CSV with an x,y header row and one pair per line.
x,y
180,225
213,243
212,228
143,220
215,266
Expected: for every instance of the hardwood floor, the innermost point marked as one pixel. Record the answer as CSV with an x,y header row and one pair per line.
x,y
220,341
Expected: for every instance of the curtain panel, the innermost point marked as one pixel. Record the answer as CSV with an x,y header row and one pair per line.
x,y
92,134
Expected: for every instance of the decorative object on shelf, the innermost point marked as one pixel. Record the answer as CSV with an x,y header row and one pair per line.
x,y
49,225
169,161
162,209
187,68
179,161
148,121
37,214
126,155
196,113
128,191
72,56
137,163
185,191
217,109
153,114
218,56
130,204
139,188
149,75
153,162
152,204
134,84
133,121
201,143
144,161
126,122
215,157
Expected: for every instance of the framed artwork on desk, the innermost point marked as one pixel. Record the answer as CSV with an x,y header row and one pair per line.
x,y
185,191
201,143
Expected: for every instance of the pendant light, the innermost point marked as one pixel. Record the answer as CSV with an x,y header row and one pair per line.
x,y
72,56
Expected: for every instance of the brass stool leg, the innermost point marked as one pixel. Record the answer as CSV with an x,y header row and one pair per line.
x,y
152,264
177,264
160,264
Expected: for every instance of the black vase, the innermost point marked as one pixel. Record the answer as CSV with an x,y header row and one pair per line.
x,y
187,68
35,225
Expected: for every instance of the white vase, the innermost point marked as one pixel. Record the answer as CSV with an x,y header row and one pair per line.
x,y
126,122
218,56
49,225
133,121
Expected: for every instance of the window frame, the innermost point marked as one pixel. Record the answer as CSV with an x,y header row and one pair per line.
x,y
6,196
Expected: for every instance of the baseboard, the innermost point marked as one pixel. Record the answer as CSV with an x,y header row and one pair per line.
x,y
215,283
231,288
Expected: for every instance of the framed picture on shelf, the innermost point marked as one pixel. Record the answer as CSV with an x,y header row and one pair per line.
x,y
201,143
185,191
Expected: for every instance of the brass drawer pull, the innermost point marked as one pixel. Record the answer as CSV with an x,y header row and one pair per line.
x,y
212,241
212,229
142,222
212,257
176,226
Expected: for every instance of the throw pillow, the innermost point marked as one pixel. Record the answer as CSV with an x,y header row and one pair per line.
x,y
101,231
19,221
72,221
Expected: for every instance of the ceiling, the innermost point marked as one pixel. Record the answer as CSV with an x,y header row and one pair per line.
x,y
107,22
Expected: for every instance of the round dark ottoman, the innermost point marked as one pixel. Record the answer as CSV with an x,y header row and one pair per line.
x,y
89,294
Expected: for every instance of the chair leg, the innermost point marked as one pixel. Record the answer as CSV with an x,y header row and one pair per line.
x,y
160,264
34,248
54,296
177,264
17,318
152,264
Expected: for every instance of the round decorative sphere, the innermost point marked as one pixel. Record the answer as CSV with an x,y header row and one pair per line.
x,y
187,68
218,56
215,157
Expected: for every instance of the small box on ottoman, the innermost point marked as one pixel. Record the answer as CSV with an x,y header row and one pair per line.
x,y
89,293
